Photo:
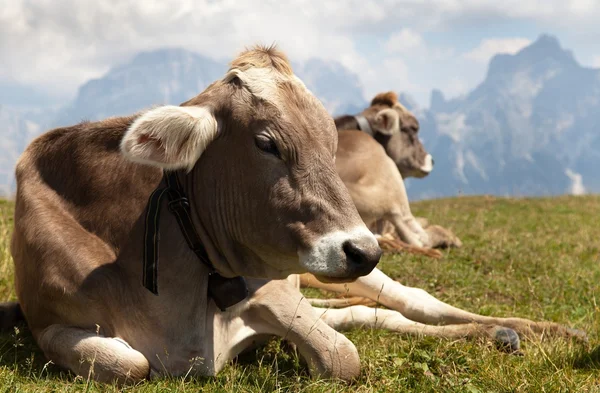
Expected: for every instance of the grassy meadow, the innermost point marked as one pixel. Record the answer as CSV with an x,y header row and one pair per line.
x,y
533,258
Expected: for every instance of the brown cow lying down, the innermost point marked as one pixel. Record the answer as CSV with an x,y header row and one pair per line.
x,y
368,162
255,155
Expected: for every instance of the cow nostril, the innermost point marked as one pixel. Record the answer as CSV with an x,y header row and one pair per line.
x,y
432,161
361,257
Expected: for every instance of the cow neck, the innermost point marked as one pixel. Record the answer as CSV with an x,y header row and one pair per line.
x,y
224,291
363,124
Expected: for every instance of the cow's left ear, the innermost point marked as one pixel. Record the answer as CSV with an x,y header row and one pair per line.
x,y
387,121
170,137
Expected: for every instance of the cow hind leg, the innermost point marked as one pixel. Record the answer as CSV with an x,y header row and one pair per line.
x,y
363,316
90,355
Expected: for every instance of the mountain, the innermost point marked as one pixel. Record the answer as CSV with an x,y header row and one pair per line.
x,y
24,112
172,76
18,95
19,127
164,76
338,88
532,127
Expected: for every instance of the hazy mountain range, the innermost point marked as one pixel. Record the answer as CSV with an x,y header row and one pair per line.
x,y
532,127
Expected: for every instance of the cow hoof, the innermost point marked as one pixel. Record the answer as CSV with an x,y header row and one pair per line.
x,y
507,340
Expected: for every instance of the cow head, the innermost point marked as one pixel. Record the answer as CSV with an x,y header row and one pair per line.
x,y
397,130
259,151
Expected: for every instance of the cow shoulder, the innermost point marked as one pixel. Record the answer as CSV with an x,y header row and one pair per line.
x,y
78,176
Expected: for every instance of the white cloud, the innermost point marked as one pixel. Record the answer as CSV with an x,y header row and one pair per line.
x,y
59,44
582,7
492,46
455,87
577,187
403,41
390,74
454,125
596,61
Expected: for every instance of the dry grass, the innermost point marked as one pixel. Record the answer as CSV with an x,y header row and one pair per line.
x,y
535,258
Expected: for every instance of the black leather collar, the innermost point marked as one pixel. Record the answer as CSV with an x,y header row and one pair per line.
x,y
225,292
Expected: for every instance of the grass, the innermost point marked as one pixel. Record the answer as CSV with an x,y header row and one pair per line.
x,y
534,258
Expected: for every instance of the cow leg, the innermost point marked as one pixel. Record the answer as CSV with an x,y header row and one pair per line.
x,y
418,305
280,309
363,316
409,230
441,237
89,354
398,246
388,240
422,221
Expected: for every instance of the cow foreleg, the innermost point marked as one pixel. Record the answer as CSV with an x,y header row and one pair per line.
x,y
418,305
409,230
363,316
433,236
90,355
422,221
280,309
441,237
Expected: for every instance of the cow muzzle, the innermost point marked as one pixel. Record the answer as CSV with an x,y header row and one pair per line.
x,y
427,164
342,256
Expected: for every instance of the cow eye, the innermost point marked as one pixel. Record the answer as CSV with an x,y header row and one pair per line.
x,y
267,145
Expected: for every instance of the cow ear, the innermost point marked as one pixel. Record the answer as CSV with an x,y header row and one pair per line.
x,y
170,137
387,121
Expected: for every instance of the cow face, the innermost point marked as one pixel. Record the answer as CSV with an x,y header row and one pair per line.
x,y
265,190
398,131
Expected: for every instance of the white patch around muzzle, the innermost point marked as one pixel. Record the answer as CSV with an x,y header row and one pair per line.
x,y
327,257
428,165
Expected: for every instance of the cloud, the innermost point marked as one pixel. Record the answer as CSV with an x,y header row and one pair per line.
x,y
577,187
390,74
58,44
596,61
492,46
455,87
403,41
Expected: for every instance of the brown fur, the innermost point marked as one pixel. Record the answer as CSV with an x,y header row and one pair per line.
x,y
79,226
377,188
408,155
263,57
389,98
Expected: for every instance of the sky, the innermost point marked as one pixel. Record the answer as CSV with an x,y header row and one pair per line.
x,y
403,45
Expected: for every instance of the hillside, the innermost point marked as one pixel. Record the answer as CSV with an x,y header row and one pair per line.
x,y
535,258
